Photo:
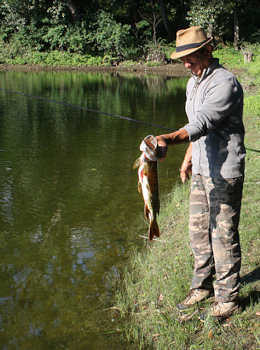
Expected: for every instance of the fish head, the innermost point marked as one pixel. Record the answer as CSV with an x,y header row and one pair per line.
x,y
149,147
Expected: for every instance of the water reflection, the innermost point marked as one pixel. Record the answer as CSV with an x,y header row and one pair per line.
x,y
69,209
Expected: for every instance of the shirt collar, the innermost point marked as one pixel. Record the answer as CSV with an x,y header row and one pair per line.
x,y
207,71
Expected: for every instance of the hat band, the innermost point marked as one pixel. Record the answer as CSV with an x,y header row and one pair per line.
x,y
190,46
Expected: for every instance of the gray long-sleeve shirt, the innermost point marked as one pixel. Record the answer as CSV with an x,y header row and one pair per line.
x,y
214,107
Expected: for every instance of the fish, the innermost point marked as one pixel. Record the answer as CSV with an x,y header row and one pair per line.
x,y
148,185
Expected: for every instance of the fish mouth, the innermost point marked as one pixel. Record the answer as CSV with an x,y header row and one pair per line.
x,y
149,146
151,142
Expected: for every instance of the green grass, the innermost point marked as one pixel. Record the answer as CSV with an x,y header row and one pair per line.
x,y
249,73
158,277
55,58
229,56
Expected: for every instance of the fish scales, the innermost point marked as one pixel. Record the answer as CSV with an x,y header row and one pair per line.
x,y
148,187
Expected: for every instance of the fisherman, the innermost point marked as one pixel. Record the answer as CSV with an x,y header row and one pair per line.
x,y
215,156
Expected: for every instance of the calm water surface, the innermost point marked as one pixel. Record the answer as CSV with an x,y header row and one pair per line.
x,y
69,208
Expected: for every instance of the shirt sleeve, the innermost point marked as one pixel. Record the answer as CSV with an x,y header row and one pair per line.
x,y
220,100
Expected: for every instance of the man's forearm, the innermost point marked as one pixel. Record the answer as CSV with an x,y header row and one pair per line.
x,y
186,167
188,154
175,137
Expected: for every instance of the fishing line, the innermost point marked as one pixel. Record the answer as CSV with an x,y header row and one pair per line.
x,y
85,108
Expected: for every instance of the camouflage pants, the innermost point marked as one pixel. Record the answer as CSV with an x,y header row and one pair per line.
x,y
214,218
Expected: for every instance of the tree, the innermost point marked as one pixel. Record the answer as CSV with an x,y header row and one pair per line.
x,y
165,19
205,13
226,19
151,14
110,37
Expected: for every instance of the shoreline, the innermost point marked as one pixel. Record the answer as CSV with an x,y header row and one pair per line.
x,y
173,70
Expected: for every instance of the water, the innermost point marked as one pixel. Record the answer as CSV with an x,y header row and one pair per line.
x,y
69,208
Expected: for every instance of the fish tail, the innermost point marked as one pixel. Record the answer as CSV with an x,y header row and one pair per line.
x,y
154,230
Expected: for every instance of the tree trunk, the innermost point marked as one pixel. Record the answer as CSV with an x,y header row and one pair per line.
x,y
165,18
248,56
154,20
210,31
236,31
73,10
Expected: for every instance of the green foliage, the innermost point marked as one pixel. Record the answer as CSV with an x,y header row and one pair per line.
x,y
63,37
110,38
60,33
17,14
55,37
143,31
40,27
129,63
56,58
121,30
249,72
255,37
155,52
13,14
228,56
75,38
16,47
143,24
206,14
57,13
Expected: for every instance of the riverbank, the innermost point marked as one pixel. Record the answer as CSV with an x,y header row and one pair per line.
x,y
158,277
176,70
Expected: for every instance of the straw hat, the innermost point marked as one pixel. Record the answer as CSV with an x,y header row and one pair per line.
x,y
189,40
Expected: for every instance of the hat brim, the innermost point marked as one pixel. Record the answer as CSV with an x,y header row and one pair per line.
x,y
176,55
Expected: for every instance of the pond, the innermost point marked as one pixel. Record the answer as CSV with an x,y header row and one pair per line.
x,y
70,212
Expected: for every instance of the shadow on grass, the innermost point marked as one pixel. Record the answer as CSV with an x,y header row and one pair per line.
x,y
252,299
254,296
251,277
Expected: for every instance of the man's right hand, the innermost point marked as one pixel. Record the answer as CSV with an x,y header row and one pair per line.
x,y
162,147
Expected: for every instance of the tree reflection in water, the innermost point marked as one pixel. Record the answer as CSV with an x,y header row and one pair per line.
x,y
69,209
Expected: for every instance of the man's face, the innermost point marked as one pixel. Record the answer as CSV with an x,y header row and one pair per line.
x,y
195,62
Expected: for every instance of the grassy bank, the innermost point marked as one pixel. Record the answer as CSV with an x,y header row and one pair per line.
x,y
159,276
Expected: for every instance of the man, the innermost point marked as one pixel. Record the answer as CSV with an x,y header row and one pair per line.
x,y
214,106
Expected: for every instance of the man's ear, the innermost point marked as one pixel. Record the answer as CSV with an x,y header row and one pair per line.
x,y
209,48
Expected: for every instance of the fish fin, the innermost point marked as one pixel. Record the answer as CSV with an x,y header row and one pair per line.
x,y
154,230
146,212
137,163
139,187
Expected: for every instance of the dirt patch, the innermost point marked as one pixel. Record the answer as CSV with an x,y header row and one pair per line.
x,y
175,70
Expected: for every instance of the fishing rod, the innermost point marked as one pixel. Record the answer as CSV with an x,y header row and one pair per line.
x,y
85,109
